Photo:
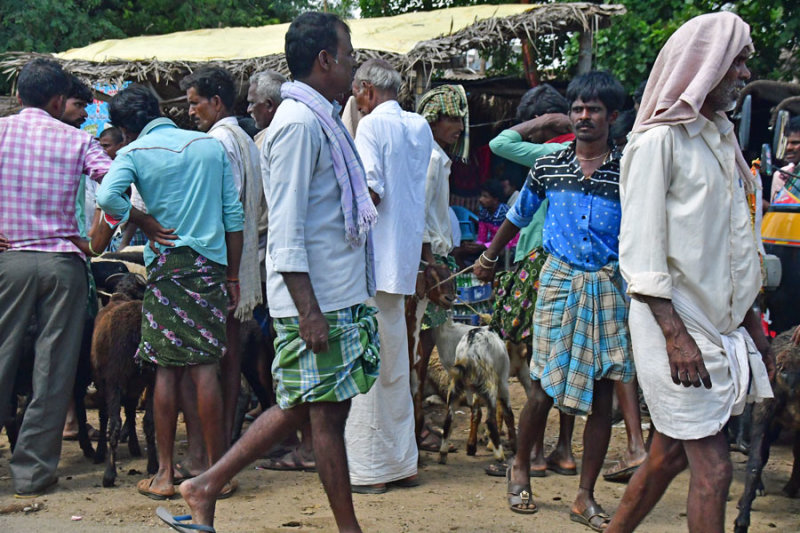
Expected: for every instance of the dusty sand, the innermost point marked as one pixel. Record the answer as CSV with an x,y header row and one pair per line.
x,y
453,497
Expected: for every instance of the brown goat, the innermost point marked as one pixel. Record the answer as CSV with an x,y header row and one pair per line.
x,y
769,417
434,287
119,380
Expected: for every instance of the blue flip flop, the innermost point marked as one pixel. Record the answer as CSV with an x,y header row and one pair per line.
x,y
174,521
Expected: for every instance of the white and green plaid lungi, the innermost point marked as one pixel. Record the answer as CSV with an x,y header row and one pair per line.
x,y
580,333
349,367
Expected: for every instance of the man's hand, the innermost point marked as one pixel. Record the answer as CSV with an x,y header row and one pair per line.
x,y
234,295
482,272
82,245
375,198
4,244
544,127
796,336
314,331
686,361
154,231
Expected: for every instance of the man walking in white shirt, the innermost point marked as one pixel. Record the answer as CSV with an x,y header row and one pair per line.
x,y
395,147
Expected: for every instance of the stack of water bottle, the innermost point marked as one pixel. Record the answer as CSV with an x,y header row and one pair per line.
x,y
475,293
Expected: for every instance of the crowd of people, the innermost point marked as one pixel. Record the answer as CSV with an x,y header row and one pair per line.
x,y
634,268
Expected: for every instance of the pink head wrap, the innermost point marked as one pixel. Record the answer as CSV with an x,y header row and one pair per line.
x,y
692,63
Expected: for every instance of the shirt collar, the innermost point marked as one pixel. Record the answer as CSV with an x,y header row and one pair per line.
x,y
155,123
227,120
331,107
719,120
36,111
388,106
568,154
445,155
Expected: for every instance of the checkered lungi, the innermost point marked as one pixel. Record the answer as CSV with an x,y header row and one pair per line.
x,y
580,333
349,367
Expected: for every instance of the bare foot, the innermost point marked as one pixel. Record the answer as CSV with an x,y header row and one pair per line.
x,y
200,499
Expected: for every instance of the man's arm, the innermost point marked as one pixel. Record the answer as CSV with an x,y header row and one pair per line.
x,y
96,163
4,244
510,145
484,267
542,128
233,242
752,323
370,153
291,166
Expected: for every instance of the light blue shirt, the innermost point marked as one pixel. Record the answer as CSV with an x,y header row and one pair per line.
x,y
306,222
186,183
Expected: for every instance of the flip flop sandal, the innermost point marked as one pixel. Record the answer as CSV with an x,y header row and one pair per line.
x,y
518,495
144,486
558,469
228,489
588,516
621,472
498,469
369,489
291,461
180,474
405,483
177,522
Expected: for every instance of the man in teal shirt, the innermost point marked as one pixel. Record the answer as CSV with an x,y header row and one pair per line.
x,y
185,180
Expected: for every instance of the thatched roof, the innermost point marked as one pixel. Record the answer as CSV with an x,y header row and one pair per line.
x,y
404,40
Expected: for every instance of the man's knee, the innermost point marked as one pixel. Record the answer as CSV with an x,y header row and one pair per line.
x,y
537,395
329,416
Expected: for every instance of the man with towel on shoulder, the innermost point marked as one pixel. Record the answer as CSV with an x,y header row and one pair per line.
x,y
319,273
688,250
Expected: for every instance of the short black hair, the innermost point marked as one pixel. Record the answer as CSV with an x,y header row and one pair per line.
x,y
494,188
623,125
793,126
539,101
79,90
133,108
112,132
308,35
597,85
40,80
210,82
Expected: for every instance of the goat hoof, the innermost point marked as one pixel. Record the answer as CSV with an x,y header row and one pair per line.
x,y
108,481
472,449
738,528
88,452
443,458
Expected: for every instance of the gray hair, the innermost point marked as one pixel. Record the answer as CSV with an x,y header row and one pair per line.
x,y
268,85
379,73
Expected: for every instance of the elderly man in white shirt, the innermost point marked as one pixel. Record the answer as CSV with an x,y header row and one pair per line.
x,y
688,250
211,94
395,147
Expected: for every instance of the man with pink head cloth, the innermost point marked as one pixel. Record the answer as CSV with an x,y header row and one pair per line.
x,y
688,250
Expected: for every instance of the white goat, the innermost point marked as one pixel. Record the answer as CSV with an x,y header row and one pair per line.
x,y
477,361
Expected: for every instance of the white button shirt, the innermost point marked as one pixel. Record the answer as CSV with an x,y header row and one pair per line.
x,y
685,220
395,147
306,223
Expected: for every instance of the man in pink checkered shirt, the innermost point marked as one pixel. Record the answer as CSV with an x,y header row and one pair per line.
x,y
41,271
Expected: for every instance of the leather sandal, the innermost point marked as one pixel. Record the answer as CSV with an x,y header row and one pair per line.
x,y
519,496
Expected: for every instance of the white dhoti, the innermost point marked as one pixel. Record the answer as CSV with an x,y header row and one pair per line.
x,y
379,435
732,360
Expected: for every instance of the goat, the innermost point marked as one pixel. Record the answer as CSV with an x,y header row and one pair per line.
x,y
478,364
257,355
769,417
119,380
434,287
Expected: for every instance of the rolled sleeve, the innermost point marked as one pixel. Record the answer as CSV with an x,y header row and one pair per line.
x,y
524,208
509,145
111,197
232,211
290,163
645,174
96,163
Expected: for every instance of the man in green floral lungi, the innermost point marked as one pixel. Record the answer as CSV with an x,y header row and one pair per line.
x,y
319,272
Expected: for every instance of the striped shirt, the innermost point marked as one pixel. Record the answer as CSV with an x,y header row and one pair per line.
x,y
41,162
583,218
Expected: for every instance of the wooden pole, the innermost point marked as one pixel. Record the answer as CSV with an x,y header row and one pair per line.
x,y
585,52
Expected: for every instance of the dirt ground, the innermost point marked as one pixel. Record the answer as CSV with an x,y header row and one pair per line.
x,y
453,497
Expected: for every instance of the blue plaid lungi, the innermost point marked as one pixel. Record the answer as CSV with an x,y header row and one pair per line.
x,y
580,333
